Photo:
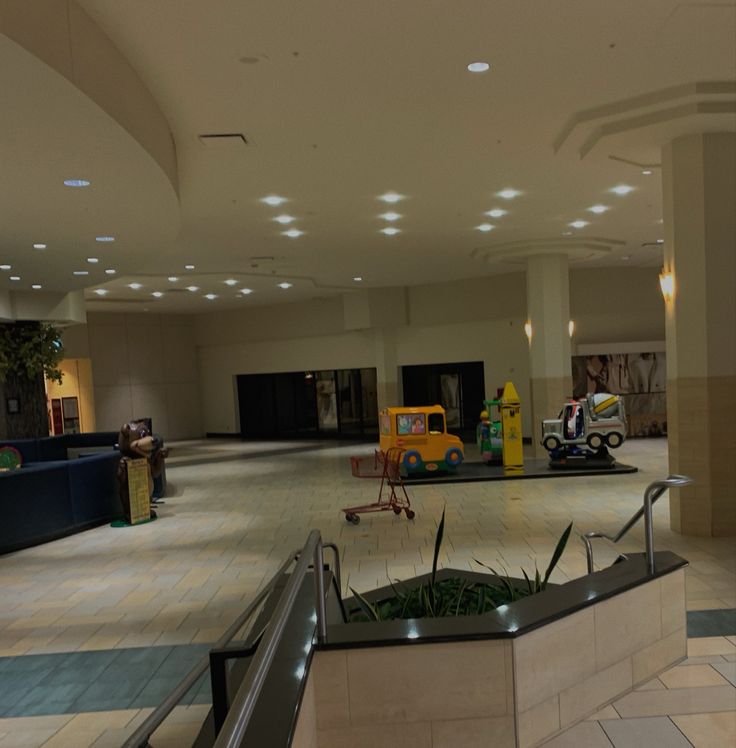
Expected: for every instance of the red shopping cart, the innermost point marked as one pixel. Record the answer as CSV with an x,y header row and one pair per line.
x,y
392,493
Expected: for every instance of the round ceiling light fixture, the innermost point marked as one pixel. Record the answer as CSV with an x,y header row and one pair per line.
x,y
188,267
478,67
110,271
104,238
273,200
598,209
39,246
101,291
292,233
508,193
485,227
284,219
391,197
390,231
36,286
77,182
285,285
579,224
622,189
496,213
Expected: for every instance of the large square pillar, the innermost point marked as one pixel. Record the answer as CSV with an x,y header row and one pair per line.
x,y
699,191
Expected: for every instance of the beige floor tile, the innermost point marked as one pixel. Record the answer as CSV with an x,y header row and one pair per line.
x,y
716,730
608,712
710,645
582,735
655,684
677,701
28,738
692,676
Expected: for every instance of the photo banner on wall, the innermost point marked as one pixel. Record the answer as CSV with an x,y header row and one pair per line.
x,y
640,378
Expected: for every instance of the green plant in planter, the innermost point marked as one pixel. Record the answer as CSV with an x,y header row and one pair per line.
x,y
455,596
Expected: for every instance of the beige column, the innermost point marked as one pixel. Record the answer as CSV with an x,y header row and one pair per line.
x,y
699,191
548,312
387,369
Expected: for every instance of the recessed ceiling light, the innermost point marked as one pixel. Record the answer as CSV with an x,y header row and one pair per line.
x,y
485,227
390,231
246,291
135,286
104,238
14,278
622,189
188,267
192,288
496,213
579,224
478,67
6,267
80,272
157,294
508,193
284,219
36,286
660,241
39,246
285,285
231,282
358,279
646,172
210,296
391,197
598,208
76,182
292,233
273,200
110,271
101,291
390,216
92,260
172,279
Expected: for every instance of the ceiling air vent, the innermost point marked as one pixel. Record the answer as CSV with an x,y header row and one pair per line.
x,y
222,139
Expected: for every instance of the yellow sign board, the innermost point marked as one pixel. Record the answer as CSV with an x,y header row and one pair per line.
x,y
139,496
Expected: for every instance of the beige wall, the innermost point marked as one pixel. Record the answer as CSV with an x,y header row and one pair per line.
x,y
77,381
144,365
479,319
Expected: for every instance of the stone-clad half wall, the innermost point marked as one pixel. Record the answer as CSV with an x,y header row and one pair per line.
x,y
505,693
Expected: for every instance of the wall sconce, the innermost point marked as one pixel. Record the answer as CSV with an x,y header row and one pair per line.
x,y
571,327
528,331
667,284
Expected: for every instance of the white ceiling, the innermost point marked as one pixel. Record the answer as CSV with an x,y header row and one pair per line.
x,y
341,101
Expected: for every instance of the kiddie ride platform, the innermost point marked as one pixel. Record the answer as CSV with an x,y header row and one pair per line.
x,y
470,472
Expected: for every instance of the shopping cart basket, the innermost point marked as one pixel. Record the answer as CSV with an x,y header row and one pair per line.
x,y
392,493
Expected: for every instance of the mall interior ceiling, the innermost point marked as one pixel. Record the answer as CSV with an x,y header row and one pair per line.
x,y
253,153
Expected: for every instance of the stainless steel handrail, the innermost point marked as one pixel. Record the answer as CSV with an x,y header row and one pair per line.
x,y
241,710
140,737
652,492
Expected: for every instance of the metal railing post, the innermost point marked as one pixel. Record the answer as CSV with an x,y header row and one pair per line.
x,y
319,588
651,494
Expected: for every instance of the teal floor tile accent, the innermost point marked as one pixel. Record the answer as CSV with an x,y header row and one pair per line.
x,y
711,622
104,680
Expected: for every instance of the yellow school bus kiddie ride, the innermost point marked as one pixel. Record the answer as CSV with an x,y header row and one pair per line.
x,y
421,431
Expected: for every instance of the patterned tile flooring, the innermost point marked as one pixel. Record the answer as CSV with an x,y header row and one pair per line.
x,y
235,510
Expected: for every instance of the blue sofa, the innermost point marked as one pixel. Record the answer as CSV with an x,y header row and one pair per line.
x,y
51,496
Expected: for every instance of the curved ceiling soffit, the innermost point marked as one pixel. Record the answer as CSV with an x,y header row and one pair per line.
x,y
577,250
669,111
66,39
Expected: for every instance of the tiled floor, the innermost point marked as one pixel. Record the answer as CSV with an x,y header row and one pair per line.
x,y
229,522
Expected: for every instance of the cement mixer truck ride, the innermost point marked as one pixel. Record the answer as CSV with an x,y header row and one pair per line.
x,y
597,421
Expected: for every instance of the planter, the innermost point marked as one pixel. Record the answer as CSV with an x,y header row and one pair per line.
x,y
512,677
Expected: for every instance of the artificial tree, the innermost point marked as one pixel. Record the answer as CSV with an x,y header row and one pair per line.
x,y
29,351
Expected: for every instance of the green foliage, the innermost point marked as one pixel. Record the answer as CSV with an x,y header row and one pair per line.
x,y
455,596
28,349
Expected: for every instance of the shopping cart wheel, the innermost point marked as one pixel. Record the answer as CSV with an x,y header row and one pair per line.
x,y
409,514
397,510
354,519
